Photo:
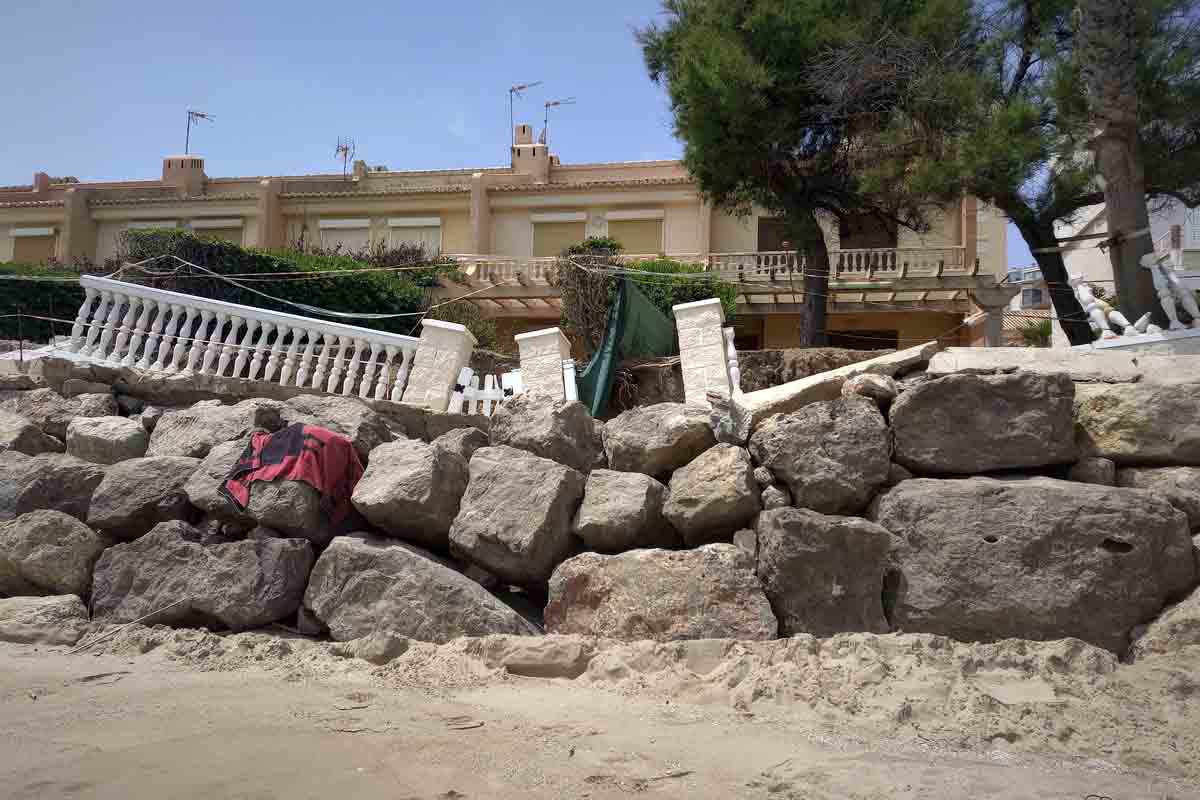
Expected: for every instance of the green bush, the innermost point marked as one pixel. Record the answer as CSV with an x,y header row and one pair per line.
x,y
42,298
1036,333
468,314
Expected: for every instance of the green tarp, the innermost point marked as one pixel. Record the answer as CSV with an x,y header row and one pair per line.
x,y
635,329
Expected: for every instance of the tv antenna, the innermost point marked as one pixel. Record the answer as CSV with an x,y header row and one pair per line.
x,y
515,91
194,116
566,101
345,151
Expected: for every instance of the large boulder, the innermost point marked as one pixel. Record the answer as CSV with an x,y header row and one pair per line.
x,y
657,440
547,427
106,440
350,417
203,488
193,432
833,455
52,412
966,424
623,511
1099,471
710,592
55,620
823,574
238,585
1176,628
713,496
363,584
1140,424
515,517
981,559
412,490
19,434
462,442
47,552
138,494
48,481
292,508
1179,486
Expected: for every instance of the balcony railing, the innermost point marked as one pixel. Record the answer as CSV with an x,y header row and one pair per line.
x,y
168,332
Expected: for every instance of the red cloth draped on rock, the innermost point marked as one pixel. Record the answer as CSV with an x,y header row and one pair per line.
x,y
323,459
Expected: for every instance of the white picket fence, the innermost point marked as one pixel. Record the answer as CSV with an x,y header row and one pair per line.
x,y
470,398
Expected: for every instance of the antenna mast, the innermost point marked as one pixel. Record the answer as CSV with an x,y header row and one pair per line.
x,y
345,151
515,91
193,116
566,101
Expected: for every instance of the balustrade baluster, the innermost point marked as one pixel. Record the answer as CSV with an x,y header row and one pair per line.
x,y
335,376
160,319
385,373
125,328
243,349
199,340
259,348
230,350
306,359
110,326
369,370
97,324
140,328
76,343
276,356
182,341
213,347
323,361
402,373
352,371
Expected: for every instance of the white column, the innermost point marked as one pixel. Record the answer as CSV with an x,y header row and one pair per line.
x,y
385,372
256,363
352,371
214,343
445,348
289,359
182,345
339,358
327,345
89,297
140,326
702,355
542,355
151,352
369,369
97,323
401,383
110,327
199,338
277,353
306,360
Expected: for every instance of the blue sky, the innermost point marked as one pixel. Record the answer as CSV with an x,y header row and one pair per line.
x,y
417,85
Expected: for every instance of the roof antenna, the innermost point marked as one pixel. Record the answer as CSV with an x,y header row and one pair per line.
x,y
545,137
515,91
345,151
194,116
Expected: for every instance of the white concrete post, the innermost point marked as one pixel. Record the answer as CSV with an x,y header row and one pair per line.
x,y
702,355
445,348
542,355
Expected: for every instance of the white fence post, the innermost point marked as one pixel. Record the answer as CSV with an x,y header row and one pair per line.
x,y
444,350
702,350
542,355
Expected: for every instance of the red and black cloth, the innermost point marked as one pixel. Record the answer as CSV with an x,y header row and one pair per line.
x,y
323,459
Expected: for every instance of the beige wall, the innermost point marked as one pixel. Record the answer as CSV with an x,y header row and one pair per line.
x,y
913,327
992,246
681,229
106,240
512,233
456,232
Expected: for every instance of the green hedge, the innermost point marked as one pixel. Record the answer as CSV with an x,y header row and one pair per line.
x,y
43,298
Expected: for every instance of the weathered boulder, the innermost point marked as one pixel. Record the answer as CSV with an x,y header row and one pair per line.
x,y
707,593
138,494
623,511
363,584
54,620
1099,471
239,585
203,488
883,389
363,426
982,559
48,481
193,432
47,552
657,440
1139,424
150,416
438,424
52,412
412,490
1176,628
291,507
833,454
515,517
747,539
763,477
966,424
823,574
713,496
462,442
896,473
106,440
547,427
1179,486
19,434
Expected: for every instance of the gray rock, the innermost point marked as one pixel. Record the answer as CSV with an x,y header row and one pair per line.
x,y
1176,628
193,432
292,507
546,427
747,539
439,424
363,585
150,416
966,424
463,442
515,518
657,440
1179,486
1140,424
72,387
18,433
665,595
52,412
776,497
1099,471
623,511
833,454
713,496
48,481
130,405
896,473
203,488
138,494
47,552
982,559
263,532
882,389
412,490
56,620
539,656
350,417
763,477
823,574
239,585
106,440
377,647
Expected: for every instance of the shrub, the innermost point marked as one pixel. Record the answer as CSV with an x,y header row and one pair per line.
x,y
466,313
1036,333
42,298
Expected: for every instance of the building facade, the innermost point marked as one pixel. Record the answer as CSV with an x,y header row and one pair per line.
x,y
506,224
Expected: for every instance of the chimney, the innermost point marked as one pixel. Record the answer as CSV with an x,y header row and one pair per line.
x,y
529,157
41,184
185,174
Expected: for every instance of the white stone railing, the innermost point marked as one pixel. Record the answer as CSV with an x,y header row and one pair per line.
x,y
129,325
495,270
846,265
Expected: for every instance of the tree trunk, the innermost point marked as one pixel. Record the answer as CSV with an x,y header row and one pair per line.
x,y
1070,313
816,281
1110,37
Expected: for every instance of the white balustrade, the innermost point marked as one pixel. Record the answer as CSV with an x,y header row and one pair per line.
x,y
161,331
471,398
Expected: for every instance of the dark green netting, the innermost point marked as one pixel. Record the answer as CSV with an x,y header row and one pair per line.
x,y
635,329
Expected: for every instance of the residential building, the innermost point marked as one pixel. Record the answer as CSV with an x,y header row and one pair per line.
x,y
506,225
1174,231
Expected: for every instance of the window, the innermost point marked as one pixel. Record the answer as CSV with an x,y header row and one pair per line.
x,y
423,232
228,230
1032,297
555,232
33,245
640,236
346,235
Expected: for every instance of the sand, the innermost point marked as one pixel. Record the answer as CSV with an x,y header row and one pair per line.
x,y
157,713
